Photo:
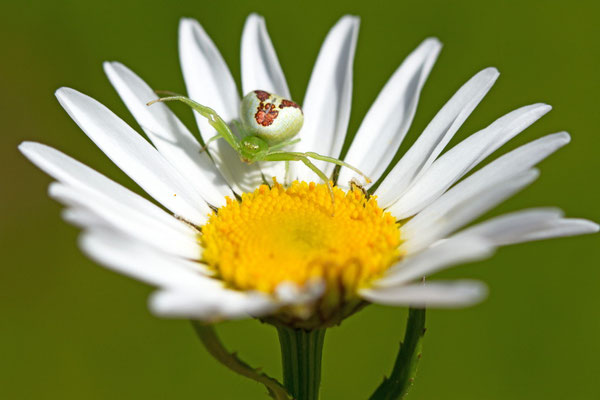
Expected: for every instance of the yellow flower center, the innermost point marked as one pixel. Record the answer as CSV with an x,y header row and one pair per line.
x,y
278,234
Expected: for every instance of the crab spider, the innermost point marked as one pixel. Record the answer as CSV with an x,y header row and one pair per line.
x,y
268,124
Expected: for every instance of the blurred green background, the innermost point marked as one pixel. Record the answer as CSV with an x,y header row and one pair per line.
x,y
72,330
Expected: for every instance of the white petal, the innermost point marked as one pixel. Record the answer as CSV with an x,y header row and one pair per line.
x,y
527,225
210,306
260,66
261,71
128,220
290,293
511,228
188,293
432,294
209,82
561,228
144,263
172,139
457,211
206,75
435,258
134,155
467,200
435,136
73,173
387,121
328,99
83,218
459,160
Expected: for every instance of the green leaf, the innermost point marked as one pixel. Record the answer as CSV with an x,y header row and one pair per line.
x,y
210,340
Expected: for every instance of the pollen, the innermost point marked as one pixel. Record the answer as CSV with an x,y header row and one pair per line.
x,y
277,234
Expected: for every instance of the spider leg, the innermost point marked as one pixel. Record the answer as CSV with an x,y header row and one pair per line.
x,y
211,115
292,156
212,139
281,145
167,92
321,175
287,171
336,162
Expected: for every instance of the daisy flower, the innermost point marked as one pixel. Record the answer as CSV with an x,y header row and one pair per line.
x,y
225,239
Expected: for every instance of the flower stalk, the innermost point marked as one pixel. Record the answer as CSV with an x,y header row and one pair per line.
x,y
301,352
401,379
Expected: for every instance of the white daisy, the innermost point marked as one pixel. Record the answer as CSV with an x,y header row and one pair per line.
x,y
275,252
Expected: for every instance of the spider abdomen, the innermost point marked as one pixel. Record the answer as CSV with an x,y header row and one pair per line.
x,y
270,117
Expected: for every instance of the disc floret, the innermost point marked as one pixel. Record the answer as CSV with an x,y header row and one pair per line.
x,y
278,235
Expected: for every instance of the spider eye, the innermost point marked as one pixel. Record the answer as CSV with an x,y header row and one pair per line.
x,y
270,117
252,145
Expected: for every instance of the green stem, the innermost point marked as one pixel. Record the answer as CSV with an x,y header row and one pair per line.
x,y
301,352
210,340
405,368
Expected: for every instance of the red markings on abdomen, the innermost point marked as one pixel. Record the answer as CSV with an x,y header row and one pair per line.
x,y
266,114
288,103
262,95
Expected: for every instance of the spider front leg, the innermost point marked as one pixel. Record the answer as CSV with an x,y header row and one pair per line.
x,y
223,130
293,156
